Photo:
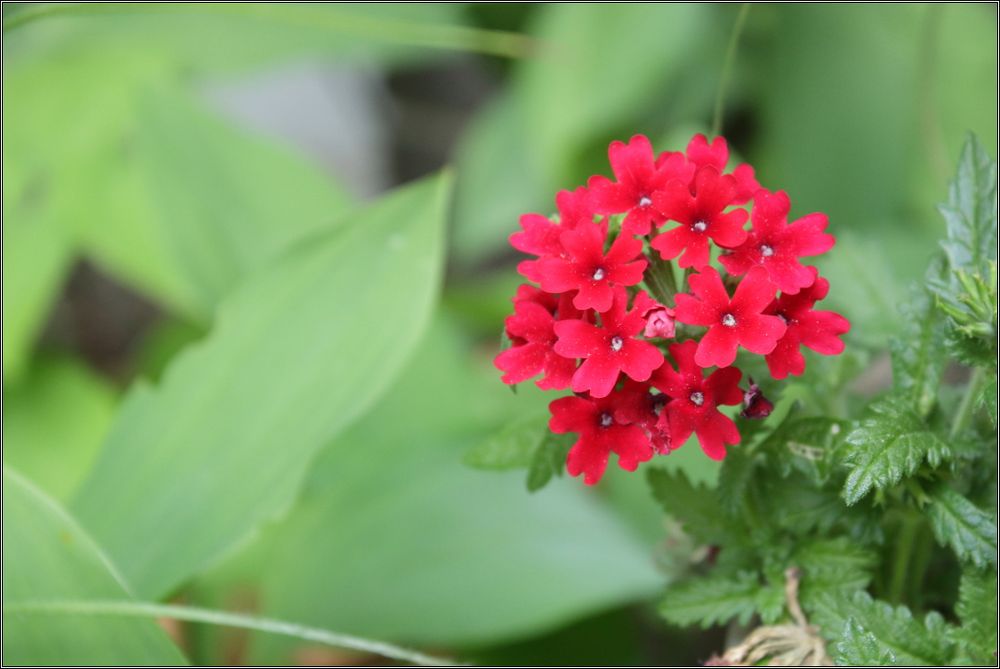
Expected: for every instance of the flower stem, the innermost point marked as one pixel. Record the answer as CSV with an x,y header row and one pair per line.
x,y
900,566
727,67
966,408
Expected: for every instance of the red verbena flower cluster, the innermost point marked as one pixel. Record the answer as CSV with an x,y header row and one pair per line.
x,y
607,321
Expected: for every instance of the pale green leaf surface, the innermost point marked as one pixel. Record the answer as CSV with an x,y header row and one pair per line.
x,y
710,600
54,422
400,540
977,609
297,353
47,556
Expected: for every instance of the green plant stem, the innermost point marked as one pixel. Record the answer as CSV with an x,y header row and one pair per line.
x,y
909,527
438,36
727,67
225,618
966,408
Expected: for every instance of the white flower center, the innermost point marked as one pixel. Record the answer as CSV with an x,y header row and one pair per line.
x,y
766,251
645,201
697,398
598,274
729,320
616,343
606,420
700,226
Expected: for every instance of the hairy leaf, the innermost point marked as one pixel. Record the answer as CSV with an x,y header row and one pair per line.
x,y
977,609
971,211
918,355
859,647
830,566
888,445
894,631
712,600
511,447
695,506
957,522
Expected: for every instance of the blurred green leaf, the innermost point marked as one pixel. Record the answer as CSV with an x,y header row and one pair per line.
x,y
226,202
395,538
585,84
48,556
832,565
512,447
977,608
696,506
298,352
890,444
54,423
549,459
957,522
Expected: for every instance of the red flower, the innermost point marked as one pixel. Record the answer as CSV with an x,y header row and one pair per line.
x,y
638,406
731,322
599,435
702,216
530,331
776,245
693,407
588,270
818,330
639,177
609,349
539,235
716,154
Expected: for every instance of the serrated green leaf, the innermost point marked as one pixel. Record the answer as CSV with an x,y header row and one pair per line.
x,y
195,465
549,459
988,397
830,566
695,506
957,522
971,211
888,445
48,556
894,630
804,444
858,647
735,477
977,609
711,600
512,447
918,355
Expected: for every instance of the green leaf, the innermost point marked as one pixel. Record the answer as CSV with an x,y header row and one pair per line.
x,y
918,355
194,466
888,445
54,423
735,478
858,647
512,447
803,445
831,566
957,522
695,506
549,459
429,551
988,398
971,211
47,556
977,609
884,630
711,600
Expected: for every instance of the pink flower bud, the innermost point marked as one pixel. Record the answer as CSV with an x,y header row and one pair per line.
x,y
660,323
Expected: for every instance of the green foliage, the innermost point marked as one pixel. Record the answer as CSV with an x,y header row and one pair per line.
x,y
957,522
917,362
712,599
443,554
54,423
888,445
832,565
513,447
977,609
868,631
47,556
271,356
549,460
966,283
695,506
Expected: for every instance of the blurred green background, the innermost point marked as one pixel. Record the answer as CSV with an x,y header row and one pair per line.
x,y
198,292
